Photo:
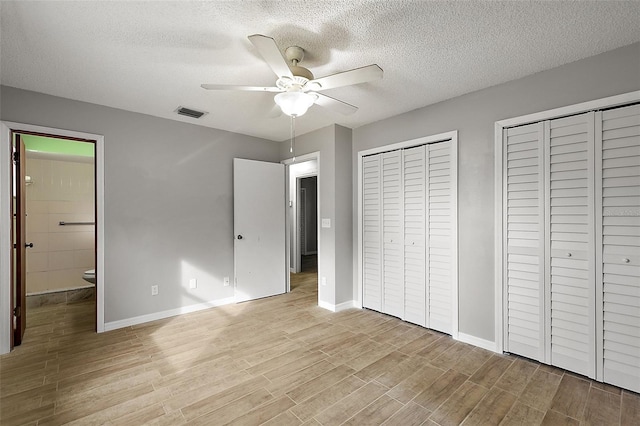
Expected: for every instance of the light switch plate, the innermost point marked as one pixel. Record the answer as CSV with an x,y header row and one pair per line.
x,y
326,223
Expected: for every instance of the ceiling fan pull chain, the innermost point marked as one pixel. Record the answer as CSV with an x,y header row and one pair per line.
x,y
293,136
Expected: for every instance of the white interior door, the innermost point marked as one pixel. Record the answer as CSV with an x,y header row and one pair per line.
x,y
259,228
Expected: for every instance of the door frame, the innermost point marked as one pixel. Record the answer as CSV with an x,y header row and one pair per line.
x,y
289,162
297,252
441,137
6,168
499,291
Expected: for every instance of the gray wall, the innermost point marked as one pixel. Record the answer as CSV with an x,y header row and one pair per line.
x,y
334,184
168,186
474,115
168,199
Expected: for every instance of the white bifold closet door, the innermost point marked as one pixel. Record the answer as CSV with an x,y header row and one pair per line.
x,y
415,242
440,210
392,235
572,243
619,254
371,233
570,248
524,240
408,213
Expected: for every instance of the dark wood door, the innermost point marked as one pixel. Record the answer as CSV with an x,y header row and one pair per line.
x,y
20,279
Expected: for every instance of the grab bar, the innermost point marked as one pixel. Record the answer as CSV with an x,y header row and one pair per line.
x,y
76,223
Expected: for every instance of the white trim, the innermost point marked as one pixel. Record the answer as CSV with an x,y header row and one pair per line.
x,y
5,220
599,285
114,325
498,248
302,158
609,102
481,343
441,137
339,307
5,239
359,300
454,236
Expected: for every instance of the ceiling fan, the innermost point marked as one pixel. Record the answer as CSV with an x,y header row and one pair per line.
x,y
296,87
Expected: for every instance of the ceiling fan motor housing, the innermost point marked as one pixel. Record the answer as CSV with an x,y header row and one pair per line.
x,y
295,55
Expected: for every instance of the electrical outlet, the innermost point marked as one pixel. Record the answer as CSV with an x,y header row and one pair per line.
x,y
193,283
154,290
324,280
226,281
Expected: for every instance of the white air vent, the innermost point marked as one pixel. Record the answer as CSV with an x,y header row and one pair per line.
x,y
188,112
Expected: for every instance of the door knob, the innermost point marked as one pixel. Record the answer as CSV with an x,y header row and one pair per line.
x,y
30,245
239,236
625,260
568,254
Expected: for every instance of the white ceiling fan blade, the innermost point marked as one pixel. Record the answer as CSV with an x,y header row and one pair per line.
x,y
347,78
241,88
271,54
335,105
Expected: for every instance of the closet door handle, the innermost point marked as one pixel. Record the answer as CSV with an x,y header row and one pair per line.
x,y
625,260
568,254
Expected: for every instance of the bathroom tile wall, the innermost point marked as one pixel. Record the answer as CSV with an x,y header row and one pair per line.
x,y
61,191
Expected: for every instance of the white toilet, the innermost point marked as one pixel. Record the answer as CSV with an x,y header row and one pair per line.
x,y
90,276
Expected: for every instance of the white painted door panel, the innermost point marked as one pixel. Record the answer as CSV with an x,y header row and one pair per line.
x,y
415,255
371,233
259,227
392,235
570,243
439,235
524,242
620,257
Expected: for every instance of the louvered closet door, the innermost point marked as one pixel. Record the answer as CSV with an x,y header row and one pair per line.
x,y
620,228
524,240
392,235
440,214
415,287
571,275
372,236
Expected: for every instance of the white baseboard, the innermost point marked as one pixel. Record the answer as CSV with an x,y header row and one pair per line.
x,y
339,307
114,325
476,341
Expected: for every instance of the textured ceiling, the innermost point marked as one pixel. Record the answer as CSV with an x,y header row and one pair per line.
x,y
151,57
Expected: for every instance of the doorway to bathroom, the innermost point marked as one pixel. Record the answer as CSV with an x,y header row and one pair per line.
x,y
55,188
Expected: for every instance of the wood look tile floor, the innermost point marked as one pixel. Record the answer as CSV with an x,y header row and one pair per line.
x,y
283,361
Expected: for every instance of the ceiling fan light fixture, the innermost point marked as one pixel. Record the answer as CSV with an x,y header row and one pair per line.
x,y
295,104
